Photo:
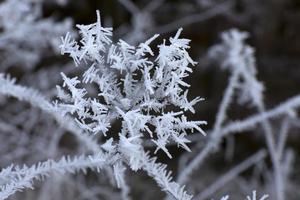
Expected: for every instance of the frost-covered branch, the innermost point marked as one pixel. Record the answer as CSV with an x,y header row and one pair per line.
x,y
24,177
163,178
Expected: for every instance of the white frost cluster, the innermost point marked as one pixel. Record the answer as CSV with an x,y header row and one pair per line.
x,y
146,92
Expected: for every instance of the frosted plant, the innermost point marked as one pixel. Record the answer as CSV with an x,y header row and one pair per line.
x,y
142,89
132,87
135,87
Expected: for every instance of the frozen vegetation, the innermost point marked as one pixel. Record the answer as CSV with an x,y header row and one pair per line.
x,y
110,117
